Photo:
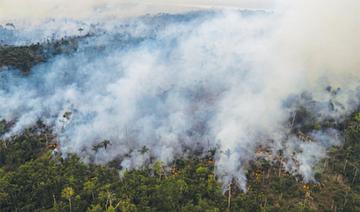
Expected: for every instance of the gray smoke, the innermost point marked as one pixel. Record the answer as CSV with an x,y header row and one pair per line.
x,y
196,81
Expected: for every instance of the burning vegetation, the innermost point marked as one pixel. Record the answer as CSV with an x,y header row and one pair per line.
x,y
187,112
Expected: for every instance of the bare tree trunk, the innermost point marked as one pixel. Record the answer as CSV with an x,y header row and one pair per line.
x,y
345,165
325,164
354,176
229,196
345,200
279,171
70,204
264,206
54,200
293,120
46,140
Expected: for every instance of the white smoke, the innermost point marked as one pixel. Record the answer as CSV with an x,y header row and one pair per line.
x,y
35,11
194,82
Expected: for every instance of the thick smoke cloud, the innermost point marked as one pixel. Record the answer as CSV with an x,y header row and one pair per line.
x,y
197,81
11,10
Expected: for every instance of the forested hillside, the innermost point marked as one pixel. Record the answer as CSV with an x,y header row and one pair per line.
x,y
210,110
33,178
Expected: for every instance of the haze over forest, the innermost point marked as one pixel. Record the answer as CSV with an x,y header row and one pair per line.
x,y
231,101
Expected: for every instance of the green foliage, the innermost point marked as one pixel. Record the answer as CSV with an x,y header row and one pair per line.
x,y
32,180
2,127
357,117
20,57
25,57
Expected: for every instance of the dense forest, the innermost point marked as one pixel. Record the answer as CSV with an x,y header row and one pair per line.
x,y
36,176
32,178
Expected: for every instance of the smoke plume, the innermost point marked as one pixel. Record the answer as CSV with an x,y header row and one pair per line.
x,y
177,84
